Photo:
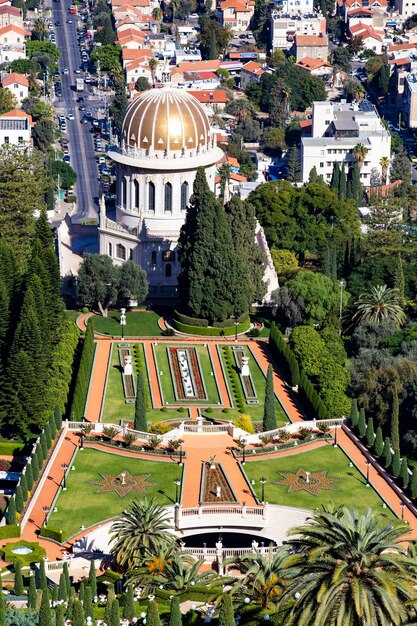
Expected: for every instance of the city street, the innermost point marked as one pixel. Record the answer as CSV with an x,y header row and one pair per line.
x,y
80,139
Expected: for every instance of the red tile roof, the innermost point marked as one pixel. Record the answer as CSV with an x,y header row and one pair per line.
x,y
199,66
253,68
310,40
15,29
310,64
238,5
365,32
204,96
14,77
18,113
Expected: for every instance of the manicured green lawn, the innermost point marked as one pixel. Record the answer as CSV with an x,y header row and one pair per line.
x,y
166,382
266,321
72,315
115,408
350,486
81,505
138,324
256,411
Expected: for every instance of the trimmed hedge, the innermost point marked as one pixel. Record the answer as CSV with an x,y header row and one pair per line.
x,y
83,376
210,331
191,321
236,389
7,532
51,533
26,559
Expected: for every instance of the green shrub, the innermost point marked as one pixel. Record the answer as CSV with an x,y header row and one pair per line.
x,y
85,309
12,530
35,556
191,321
51,533
210,331
71,198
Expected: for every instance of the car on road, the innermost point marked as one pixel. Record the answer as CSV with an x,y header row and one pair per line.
x,y
101,159
57,23
66,71
69,21
71,116
82,108
84,121
67,158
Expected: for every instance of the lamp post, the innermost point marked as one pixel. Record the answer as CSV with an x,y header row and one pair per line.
x,y
402,507
236,325
180,461
368,463
64,479
177,484
262,480
243,442
46,510
335,437
123,321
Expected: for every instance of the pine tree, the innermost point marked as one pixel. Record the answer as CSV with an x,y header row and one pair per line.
x,y
405,477
313,176
88,603
19,499
140,405
269,420
399,281
29,476
370,433
342,184
293,165
395,430
18,578
335,180
175,616
62,588
32,595
60,615
213,54
78,615
58,418
152,614
42,576
278,109
115,613
386,453
45,610
92,579
354,415
362,423
396,464
226,614
129,607
11,511
414,483
379,442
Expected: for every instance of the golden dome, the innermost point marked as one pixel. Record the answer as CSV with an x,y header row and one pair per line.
x,y
165,119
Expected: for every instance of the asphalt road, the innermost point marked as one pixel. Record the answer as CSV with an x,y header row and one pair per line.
x,y
80,138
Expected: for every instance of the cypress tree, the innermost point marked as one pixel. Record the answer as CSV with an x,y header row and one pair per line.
x,y
18,578
65,572
355,184
175,617
386,453
58,418
108,610
54,593
396,464
129,607
19,499
78,615
370,433
322,413
92,579
60,615
71,603
140,405
395,429
48,435
88,603
11,511
379,442
226,614
35,467
44,446
362,423
335,180
52,425
62,588
24,487
32,595
152,614
295,371
414,483
269,420
81,591
45,610
29,476
115,613
42,576
354,415
2,610
342,183
405,476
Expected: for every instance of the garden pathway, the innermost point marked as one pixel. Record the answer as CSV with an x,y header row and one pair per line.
x,y
81,321
152,374
200,448
218,371
306,447
98,381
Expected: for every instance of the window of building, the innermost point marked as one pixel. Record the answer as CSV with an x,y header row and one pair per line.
x,y
151,197
121,252
110,249
131,254
20,139
153,257
168,197
322,164
184,196
168,255
136,190
124,192
6,140
168,270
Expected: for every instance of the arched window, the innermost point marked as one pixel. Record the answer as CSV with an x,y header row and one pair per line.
x,y
136,190
151,197
124,192
121,252
110,249
168,197
184,196
168,270
153,257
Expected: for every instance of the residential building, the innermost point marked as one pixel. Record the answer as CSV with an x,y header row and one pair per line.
x,y
285,27
212,100
13,35
410,99
316,67
337,128
371,38
10,16
236,14
406,7
250,73
18,84
294,7
15,128
313,46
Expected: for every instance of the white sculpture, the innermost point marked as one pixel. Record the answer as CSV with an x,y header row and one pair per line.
x,y
127,370
245,366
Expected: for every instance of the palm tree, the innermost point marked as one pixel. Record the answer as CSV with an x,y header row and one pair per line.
x,y
384,163
349,570
380,303
359,152
174,6
263,578
225,172
141,528
176,573
241,108
157,14
153,64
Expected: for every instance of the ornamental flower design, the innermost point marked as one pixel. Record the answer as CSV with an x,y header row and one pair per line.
x,y
303,480
197,383
123,483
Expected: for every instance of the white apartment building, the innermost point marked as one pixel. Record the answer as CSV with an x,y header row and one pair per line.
x,y
336,129
406,7
285,27
15,128
295,7
410,99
